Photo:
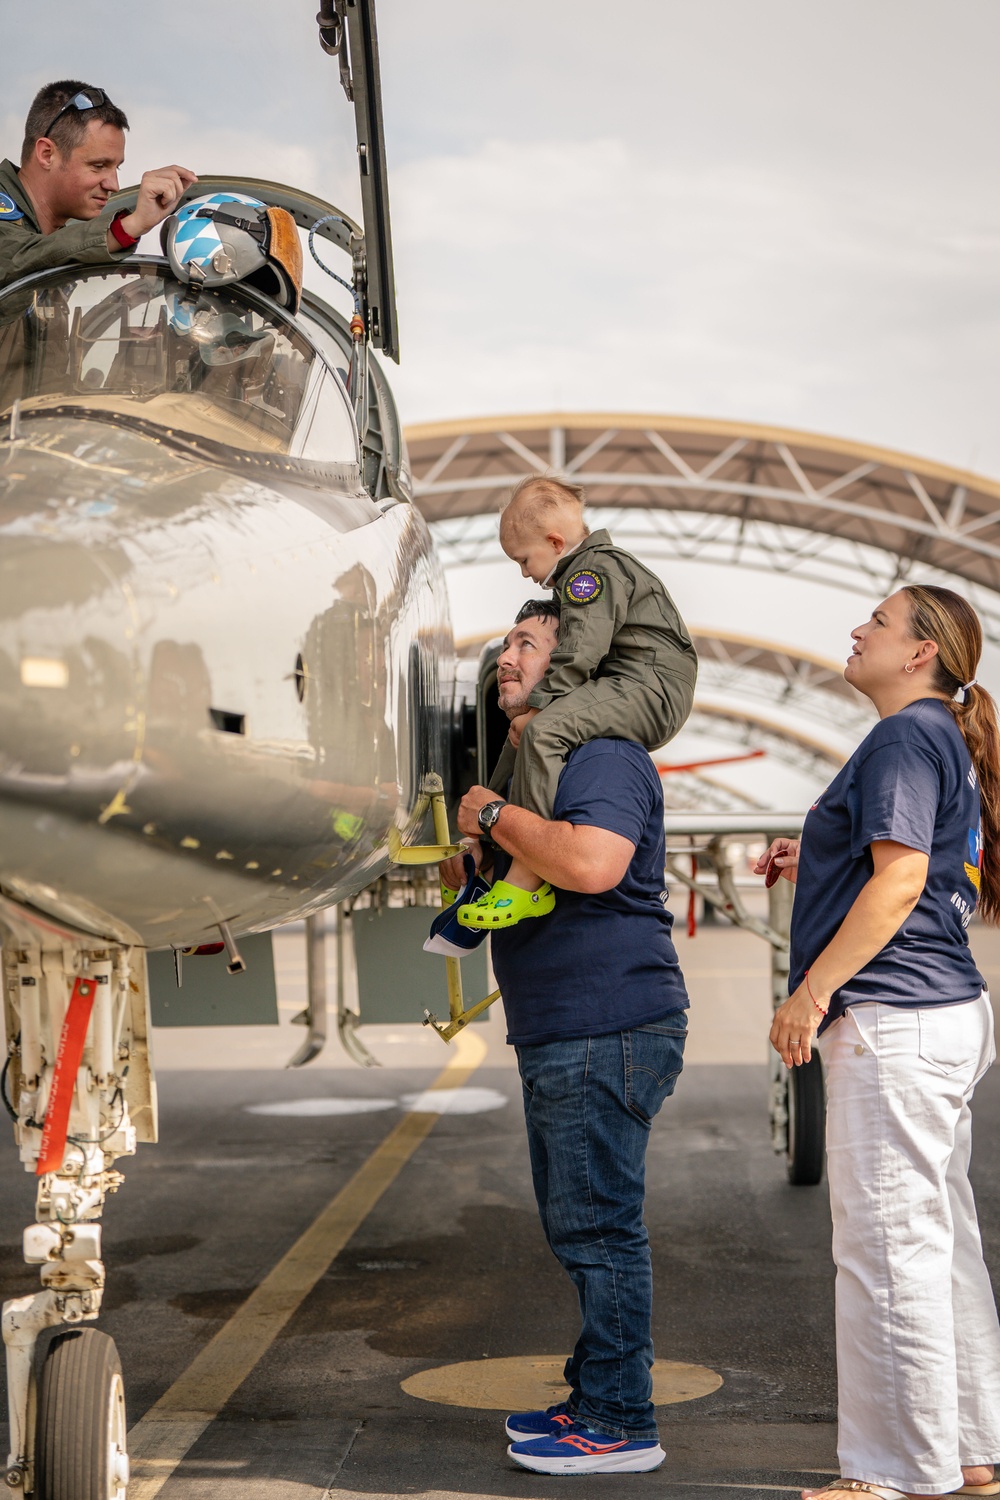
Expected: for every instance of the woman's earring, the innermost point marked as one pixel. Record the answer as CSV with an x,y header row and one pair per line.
x,y
907,667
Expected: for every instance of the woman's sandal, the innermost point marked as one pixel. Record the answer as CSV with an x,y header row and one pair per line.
x,y
887,1493
883,1490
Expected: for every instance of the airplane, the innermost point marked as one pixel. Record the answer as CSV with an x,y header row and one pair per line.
x,y
229,699
226,668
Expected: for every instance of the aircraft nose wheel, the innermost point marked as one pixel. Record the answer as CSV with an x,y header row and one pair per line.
x,y
806,1123
80,1443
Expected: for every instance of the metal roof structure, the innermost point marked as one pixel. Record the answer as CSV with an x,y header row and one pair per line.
x,y
801,752
825,509
697,791
787,678
740,495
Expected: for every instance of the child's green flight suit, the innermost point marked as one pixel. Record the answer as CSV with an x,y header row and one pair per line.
x,y
623,668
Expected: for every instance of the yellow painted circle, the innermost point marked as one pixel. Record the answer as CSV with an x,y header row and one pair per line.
x,y
529,1382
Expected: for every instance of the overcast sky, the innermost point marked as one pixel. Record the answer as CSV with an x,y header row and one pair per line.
x,y
758,209
766,210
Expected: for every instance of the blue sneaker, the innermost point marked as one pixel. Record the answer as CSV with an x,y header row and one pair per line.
x,y
580,1449
535,1424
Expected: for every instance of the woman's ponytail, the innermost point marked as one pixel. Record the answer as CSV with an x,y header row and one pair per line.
x,y
977,719
942,616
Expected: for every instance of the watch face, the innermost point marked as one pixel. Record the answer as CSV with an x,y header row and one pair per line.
x,y
489,814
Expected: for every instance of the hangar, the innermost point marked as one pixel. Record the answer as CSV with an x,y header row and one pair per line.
x,y
780,502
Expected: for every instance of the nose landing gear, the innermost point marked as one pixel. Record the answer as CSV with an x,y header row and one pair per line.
x,y
78,1085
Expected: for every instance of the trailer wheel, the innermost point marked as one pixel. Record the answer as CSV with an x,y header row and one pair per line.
x,y
80,1442
806,1123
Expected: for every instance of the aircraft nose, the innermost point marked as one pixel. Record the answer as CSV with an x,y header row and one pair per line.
x,y
70,696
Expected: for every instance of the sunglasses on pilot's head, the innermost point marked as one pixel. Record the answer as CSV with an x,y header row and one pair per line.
x,y
85,99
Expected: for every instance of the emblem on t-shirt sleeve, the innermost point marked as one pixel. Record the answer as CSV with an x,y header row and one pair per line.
x,y
974,863
9,209
583,588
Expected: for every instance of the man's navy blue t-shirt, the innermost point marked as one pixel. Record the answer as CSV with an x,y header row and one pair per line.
x,y
597,963
910,781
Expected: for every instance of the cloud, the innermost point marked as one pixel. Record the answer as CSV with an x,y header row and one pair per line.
x,y
584,274
161,134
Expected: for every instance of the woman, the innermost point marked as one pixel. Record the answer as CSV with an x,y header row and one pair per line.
x,y
893,858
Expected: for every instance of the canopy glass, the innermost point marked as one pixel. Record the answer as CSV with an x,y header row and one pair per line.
x,y
208,363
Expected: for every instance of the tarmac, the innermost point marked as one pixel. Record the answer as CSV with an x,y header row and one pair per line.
x,y
344,1300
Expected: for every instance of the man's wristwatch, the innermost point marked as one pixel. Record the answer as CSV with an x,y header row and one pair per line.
x,y
489,814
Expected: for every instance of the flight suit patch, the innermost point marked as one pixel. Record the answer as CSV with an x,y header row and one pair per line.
x,y
583,588
9,209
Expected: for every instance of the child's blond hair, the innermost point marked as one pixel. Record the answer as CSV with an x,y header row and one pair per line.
x,y
537,501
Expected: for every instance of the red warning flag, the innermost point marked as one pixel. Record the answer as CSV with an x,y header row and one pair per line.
x,y
74,1034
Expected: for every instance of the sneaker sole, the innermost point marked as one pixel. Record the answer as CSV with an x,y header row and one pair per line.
x,y
606,1463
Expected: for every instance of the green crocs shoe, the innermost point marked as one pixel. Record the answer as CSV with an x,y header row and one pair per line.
x,y
505,905
448,896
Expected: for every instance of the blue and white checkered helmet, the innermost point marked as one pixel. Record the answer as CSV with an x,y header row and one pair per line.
x,y
228,237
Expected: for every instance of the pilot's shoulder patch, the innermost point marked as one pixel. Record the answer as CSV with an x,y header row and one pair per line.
x,y
583,587
9,209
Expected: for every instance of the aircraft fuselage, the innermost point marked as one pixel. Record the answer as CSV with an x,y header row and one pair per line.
x,y
218,677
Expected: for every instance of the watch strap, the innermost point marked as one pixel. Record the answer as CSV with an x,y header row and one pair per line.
x,y
126,240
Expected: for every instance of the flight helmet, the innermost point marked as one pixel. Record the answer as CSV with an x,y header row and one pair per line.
x,y
226,237
218,338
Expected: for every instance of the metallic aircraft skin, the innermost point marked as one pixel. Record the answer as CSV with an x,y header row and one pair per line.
x,y
219,674
226,668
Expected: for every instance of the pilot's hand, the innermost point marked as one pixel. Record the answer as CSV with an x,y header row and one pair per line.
x,y
160,191
782,856
468,809
795,1024
519,724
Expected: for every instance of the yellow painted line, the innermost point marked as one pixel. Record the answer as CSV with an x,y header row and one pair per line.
x,y
159,1441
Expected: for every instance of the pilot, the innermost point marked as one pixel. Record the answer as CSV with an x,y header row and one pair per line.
x,y
52,208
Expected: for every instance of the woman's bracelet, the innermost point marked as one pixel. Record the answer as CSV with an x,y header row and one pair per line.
x,y
821,1008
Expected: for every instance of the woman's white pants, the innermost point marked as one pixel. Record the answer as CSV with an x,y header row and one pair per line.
x,y
918,1346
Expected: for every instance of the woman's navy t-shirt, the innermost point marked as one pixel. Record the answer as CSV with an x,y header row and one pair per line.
x,y
597,963
910,781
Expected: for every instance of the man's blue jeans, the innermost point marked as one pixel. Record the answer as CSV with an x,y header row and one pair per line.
x,y
588,1105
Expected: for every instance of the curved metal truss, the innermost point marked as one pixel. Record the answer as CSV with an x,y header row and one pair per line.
x,y
800,752
696,791
823,509
786,678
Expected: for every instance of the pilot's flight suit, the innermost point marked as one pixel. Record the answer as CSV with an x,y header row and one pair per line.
x,y
623,668
23,247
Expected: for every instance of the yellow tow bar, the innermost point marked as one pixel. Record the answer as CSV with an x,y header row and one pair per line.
x,y
432,795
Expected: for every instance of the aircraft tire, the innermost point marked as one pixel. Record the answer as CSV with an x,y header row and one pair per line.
x,y
806,1123
80,1442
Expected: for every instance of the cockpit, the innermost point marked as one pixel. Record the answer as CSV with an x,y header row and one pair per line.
x,y
213,364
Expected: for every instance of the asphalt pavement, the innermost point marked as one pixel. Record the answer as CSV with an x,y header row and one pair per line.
x,y
446,1267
